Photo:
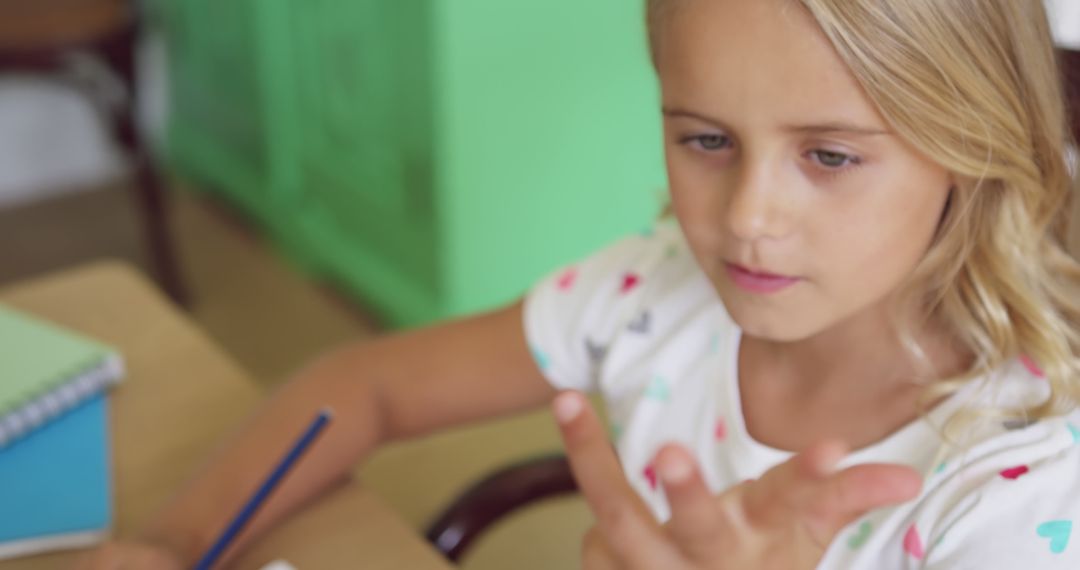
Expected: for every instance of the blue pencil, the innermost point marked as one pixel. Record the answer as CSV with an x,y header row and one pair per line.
x,y
264,490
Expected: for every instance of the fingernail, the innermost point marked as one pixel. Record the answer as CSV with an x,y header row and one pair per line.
x,y
834,454
567,407
675,469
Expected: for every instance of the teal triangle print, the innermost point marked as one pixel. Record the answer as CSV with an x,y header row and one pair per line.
x,y
542,359
658,390
859,537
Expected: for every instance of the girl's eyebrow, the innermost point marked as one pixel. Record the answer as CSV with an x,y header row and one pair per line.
x,y
819,128
836,127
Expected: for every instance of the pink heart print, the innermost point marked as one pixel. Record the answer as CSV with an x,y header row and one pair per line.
x,y
721,430
1031,366
566,280
629,282
913,544
1014,473
650,476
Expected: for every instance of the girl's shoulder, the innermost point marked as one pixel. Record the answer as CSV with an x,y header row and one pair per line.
x,y
642,286
1014,504
1012,496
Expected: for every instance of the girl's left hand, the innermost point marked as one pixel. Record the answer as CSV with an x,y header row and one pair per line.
x,y
784,520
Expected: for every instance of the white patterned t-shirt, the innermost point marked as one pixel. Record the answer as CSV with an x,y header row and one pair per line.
x,y
640,323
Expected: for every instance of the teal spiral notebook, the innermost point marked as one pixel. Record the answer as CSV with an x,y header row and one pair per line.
x,y
55,464
56,484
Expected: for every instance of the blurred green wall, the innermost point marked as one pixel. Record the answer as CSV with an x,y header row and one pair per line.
x,y
434,157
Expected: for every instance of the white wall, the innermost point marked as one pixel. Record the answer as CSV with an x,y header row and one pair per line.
x,y
52,140
1065,18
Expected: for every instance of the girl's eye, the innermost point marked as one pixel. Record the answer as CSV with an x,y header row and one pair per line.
x,y
709,143
833,160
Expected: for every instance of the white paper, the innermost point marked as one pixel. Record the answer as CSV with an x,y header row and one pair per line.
x,y
279,565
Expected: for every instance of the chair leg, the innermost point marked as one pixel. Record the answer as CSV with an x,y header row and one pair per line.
x,y
149,185
157,230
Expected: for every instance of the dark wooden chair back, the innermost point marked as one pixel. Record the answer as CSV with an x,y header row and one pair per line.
x,y
39,36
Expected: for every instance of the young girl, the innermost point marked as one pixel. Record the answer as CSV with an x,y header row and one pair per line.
x,y
867,254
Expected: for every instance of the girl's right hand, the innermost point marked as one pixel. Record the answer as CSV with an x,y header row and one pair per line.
x,y
786,519
130,555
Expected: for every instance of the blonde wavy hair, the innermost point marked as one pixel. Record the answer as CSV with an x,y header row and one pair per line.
x,y
975,85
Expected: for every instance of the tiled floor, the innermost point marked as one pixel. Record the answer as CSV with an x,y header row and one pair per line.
x,y
272,319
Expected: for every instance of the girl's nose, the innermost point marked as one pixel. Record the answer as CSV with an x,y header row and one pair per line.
x,y
756,207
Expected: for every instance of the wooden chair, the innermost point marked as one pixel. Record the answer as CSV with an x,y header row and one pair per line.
x,y
503,492
518,485
1070,63
46,37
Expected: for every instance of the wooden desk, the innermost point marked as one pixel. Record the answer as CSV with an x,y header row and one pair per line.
x,y
176,374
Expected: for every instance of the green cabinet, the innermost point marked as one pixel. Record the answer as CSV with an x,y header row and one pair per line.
x,y
434,157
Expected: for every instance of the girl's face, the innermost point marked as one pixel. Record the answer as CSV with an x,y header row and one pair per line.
x,y
800,204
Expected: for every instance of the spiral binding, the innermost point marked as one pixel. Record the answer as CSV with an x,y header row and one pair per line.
x,y
49,405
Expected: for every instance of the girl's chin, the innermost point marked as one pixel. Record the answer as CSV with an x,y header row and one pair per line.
x,y
771,326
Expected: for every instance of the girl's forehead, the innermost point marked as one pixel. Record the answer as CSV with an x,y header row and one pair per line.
x,y
763,60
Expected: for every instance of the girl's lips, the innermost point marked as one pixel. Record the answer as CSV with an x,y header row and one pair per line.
x,y
758,282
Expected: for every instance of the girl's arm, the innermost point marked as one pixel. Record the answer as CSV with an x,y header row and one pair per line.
x,y
396,387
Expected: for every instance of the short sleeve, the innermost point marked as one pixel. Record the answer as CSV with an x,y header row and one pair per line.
x,y
572,316
1026,515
